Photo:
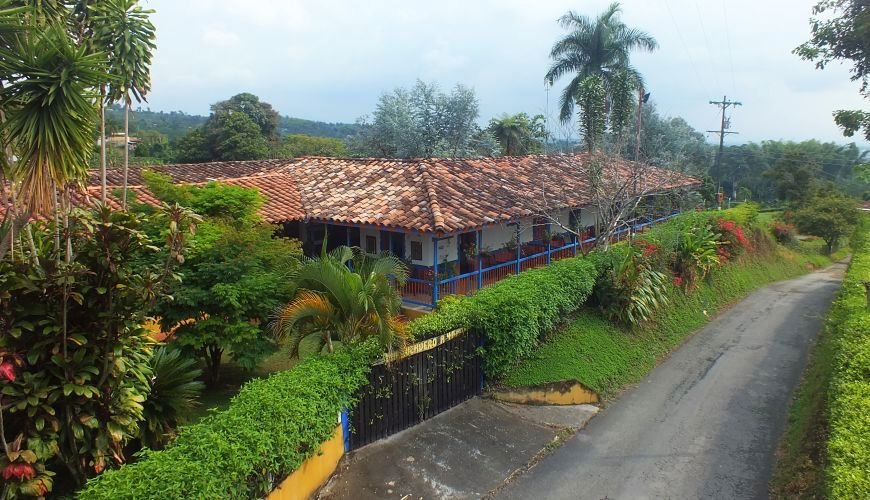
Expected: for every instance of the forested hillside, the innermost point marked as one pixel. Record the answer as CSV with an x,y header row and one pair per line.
x,y
174,124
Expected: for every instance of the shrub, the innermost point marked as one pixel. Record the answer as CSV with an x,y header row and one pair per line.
x,y
515,313
848,447
631,290
784,233
696,254
270,428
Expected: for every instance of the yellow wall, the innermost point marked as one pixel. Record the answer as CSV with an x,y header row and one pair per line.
x,y
559,393
314,472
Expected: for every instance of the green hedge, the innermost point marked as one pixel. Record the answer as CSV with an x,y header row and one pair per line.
x,y
516,312
848,447
270,428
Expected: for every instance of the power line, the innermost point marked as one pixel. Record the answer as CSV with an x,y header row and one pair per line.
x,y
724,124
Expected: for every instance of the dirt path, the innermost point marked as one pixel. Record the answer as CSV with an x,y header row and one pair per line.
x,y
706,422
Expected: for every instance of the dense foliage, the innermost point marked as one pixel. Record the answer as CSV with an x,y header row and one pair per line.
x,y
841,32
270,428
848,446
175,388
346,296
236,274
828,217
421,123
519,134
630,289
514,314
73,352
306,145
241,128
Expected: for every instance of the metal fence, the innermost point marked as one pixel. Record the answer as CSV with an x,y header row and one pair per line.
x,y
417,384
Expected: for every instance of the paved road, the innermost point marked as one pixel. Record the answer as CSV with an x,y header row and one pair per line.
x,y
706,422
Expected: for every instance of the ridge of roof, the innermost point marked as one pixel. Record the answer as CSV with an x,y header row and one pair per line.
x,y
438,221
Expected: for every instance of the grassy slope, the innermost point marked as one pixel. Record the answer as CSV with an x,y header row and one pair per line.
x,y
607,358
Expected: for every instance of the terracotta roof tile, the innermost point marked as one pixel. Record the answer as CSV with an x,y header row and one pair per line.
x,y
427,195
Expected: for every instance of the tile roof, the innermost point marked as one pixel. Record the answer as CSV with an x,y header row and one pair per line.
x,y
426,195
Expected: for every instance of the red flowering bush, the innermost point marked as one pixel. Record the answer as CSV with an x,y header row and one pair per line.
x,y
723,254
678,281
784,233
731,234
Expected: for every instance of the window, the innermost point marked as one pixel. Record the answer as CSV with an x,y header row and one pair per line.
x,y
416,250
371,245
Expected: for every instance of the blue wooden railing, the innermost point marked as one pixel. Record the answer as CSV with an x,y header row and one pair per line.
x,y
425,292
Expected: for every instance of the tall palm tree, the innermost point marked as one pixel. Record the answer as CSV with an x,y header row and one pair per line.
x,y
600,47
345,296
123,28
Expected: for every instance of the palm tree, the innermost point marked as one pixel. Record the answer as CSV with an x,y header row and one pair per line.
x,y
600,47
48,106
123,28
519,134
345,296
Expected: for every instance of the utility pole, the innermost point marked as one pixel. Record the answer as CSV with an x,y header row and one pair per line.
x,y
725,124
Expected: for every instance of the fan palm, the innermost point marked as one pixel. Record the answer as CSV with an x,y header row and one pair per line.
x,y
518,134
600,47
344,296
175,388
122,28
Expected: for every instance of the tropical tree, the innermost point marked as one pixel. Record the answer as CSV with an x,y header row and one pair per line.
x,y
48,107
124,30
599,47
235,276
346,296
841,31
519,134
829,217
420,122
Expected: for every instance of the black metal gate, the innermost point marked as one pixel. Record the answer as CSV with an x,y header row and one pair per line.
x,y
407,391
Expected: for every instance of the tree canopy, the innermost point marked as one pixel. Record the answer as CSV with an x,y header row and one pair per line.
x,y
421,122
841,31
599,47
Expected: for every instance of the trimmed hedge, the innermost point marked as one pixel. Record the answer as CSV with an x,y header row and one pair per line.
x,y
270,428
515,313
848,446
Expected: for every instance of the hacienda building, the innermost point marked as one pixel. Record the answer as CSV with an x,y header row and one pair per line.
x,y
460,224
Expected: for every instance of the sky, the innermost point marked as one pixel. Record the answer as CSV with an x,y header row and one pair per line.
x,y
330,60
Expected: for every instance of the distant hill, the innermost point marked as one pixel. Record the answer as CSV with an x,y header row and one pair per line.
x,y
175,123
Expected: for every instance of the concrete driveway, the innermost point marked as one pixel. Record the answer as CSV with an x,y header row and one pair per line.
x,y
465,452
705,423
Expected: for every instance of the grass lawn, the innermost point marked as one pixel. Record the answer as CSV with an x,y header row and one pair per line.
x,y
607,358
233,377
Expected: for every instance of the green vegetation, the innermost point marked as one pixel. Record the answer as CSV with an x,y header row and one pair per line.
x,y
829,217
823,452
74,357
516,312
840,32
848,446
345,296
597,47
270,428
519,134
306,145
606,358
234,277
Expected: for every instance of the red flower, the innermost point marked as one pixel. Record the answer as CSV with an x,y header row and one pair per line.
x,y
20,471
678,281
7,371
